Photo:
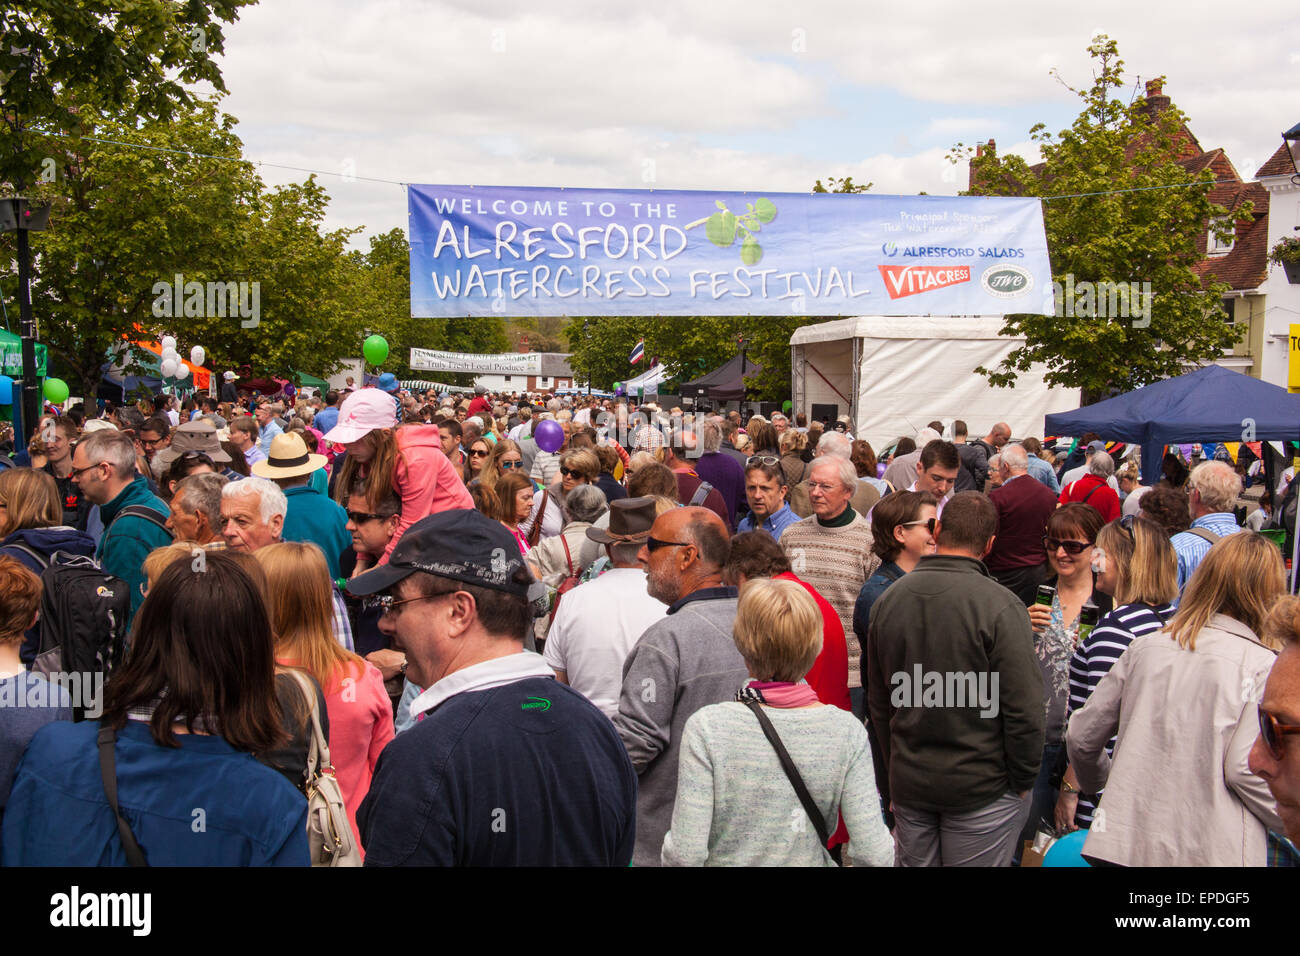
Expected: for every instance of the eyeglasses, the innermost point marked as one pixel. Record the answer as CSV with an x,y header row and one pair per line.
x,y
928,522
360,517
654,544
77,472
762,460
1071,547
1272,732
385,603
508,465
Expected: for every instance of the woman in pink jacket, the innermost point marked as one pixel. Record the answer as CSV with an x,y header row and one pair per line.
x,y
408,459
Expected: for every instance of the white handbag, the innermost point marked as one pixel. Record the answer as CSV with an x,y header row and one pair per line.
x,y
328,830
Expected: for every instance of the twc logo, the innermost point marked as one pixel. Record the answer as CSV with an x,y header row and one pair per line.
x,y
536,703
889,248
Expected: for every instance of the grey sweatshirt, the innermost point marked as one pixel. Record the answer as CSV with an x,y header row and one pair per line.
x,y
684,662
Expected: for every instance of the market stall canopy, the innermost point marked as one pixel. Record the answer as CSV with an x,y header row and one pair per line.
x,y
311,381
724,383
11,347
1211,404
650,379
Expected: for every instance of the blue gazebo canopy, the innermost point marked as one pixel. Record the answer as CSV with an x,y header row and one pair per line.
x,y
1211,404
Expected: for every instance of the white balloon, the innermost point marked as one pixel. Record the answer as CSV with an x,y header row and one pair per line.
x,y
182,371
169,342
169,368
169,355
196,355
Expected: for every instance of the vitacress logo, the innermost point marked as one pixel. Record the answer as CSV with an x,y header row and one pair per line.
x,y
902,281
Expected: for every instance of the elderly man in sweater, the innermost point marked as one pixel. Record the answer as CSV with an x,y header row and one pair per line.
x,y
831,550
684,662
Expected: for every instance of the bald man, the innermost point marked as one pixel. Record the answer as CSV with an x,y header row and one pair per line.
x,y
682,663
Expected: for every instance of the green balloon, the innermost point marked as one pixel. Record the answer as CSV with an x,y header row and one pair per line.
x,y
617,386
375,349
787,405
56,390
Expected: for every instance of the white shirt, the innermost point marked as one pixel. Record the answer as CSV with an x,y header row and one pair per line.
x,y
494,673
596,626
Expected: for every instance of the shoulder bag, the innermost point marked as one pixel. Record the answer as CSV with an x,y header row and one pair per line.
x,y
328,830
108,773
796,781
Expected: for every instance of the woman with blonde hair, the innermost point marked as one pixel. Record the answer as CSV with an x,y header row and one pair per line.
x,y
406,461
510,501
1182,707
302,622
1135,564
793,445
734,799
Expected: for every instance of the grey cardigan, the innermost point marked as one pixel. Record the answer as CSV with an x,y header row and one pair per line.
x,y
1178,790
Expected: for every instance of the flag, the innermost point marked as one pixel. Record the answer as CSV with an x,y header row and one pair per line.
x,y
638,352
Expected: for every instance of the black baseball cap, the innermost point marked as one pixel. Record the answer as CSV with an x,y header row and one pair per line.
x,y
460,544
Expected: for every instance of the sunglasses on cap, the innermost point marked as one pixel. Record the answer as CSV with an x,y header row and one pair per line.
x,y
762,460
1071,547
1272,732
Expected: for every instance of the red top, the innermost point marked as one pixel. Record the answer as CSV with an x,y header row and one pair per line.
x,y
479,404
829,676
1104,498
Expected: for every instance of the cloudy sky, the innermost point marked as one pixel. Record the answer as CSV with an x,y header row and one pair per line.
x,y
716,94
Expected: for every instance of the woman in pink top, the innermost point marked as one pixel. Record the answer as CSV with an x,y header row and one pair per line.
x,y
408,459
360,712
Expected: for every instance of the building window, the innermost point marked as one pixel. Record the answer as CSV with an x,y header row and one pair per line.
x,y
1230,311
507,378
1215,246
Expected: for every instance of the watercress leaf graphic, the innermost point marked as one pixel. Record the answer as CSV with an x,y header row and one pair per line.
x,y
765,209
751,252
721,229
720,204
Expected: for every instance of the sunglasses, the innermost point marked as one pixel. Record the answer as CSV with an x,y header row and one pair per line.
x,y
928,522
1071,547
478,453
569,472
508,465
360,517
762,460
1272,732
654,544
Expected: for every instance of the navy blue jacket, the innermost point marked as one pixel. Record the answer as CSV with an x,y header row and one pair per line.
x,y
527,774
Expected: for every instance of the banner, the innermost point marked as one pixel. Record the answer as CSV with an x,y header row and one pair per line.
x,y
492,250
511,363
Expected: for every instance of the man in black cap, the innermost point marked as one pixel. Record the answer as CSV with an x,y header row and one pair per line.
x,y
505,765
599,622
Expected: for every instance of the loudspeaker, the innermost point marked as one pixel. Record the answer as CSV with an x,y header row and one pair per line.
x,y
824,413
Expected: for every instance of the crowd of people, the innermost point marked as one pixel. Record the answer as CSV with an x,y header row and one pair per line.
x,y
412,629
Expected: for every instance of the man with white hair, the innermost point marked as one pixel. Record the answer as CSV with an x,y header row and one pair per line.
x,y
1074,474
1018,561
831,550
1213,491
1094,489
831,445
252,514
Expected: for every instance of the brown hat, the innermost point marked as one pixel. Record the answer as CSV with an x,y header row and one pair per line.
x,y
288,459
199,435
629,522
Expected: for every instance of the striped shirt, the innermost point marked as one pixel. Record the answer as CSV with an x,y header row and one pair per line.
x,y
1096,655
1192,548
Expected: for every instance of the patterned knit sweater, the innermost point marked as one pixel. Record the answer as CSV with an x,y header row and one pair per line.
x,y
837,562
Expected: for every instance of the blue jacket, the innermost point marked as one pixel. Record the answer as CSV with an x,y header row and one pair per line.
x,y
44,541
126,543
200,804
491,778
326,419
315,518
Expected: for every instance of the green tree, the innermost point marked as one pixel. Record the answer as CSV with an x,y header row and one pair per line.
x,y
138,58
840,184
1118,208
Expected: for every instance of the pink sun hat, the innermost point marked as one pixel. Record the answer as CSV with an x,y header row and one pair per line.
x,y
360,414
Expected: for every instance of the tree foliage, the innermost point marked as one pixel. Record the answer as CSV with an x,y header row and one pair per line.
x,y
1118,208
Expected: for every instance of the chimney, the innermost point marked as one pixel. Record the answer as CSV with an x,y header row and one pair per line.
x,y
991,146
1157,102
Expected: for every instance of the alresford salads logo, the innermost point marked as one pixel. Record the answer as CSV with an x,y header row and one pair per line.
x,y
1006,281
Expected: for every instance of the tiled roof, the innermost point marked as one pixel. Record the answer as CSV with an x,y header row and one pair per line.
x,y
1246,266
1279,164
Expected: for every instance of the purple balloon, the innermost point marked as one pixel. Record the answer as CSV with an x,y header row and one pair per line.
x,y
549,435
